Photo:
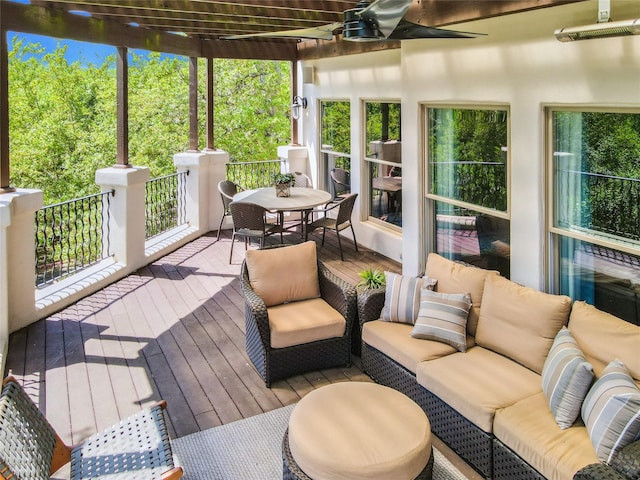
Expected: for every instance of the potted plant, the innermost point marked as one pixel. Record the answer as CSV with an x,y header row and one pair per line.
x,y
282,183
371,293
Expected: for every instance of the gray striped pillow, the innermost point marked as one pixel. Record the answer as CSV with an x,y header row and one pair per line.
x,y
402,298
443,317
611,411
566,378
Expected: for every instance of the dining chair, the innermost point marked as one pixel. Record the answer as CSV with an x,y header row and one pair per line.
x,y
338,223
137,447
302,180
227,190
341,181
249,222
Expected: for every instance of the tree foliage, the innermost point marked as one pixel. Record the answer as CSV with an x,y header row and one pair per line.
x,y
62,117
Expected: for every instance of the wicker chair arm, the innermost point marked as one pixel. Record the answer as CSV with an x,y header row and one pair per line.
x,y
339,294
256,310
370,304
624,466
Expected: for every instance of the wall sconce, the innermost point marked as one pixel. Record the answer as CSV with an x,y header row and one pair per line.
x,y
298,103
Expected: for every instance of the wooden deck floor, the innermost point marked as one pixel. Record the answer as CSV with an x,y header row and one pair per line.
x,y
172,330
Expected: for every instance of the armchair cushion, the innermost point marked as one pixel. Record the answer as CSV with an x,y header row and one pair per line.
x,y
306,321
287,274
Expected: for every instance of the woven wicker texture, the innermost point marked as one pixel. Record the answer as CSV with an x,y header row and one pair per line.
x,y
278,363
27,440
508,465
624,466
370,303
467,440
341,221
291,470
227,190
249,222
136,448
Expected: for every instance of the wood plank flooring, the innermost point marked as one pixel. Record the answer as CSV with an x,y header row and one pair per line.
x,y
172,330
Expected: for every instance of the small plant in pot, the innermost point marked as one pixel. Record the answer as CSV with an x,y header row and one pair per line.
x,y
282,183
371,279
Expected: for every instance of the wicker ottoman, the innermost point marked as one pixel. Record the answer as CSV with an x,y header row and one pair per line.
x,y
357,430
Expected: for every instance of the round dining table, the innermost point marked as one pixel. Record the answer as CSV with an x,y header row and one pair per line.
x,y
300,200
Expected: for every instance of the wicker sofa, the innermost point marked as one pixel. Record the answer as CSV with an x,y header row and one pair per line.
x,y
487,402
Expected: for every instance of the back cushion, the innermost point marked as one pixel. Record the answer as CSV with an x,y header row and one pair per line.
x,y
286,274
453,277
603,338
520,322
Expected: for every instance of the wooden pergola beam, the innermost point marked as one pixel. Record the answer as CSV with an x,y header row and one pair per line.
x,y
4,109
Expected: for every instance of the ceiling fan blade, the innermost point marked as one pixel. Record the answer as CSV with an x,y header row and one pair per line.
x,y
386,14
323,32
409,30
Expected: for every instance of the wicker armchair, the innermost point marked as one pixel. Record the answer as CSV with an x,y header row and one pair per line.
x,y
277,363
340,182
30,449
342,220
227,190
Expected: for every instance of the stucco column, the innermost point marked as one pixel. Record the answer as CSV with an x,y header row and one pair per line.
x,y
206,169
17,260
295,159
127,218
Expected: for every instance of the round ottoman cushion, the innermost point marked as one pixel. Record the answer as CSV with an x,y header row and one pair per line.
x,y
359,430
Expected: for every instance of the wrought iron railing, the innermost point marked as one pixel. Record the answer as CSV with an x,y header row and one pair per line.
x,y
165,203
253,174
604,203
71,236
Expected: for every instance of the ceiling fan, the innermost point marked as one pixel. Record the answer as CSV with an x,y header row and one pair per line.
x,y
369,22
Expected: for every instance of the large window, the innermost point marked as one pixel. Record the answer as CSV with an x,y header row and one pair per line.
x,y
383,161
595,198
335,144
467,163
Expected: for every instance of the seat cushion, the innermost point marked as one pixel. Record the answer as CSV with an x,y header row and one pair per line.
x,y
603,337
395,341
454,277
303,322
528,428
286,274
520,322
477,383
359,431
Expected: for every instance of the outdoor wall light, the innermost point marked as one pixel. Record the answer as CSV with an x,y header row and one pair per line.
x,y
298,104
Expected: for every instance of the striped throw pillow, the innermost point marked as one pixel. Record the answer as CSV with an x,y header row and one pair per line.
x,y
611,411
566,378
443,317
402,298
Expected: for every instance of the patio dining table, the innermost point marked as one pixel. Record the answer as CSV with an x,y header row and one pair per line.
x,y
300,200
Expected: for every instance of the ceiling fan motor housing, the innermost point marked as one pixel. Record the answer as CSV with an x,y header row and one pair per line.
x,y
357,29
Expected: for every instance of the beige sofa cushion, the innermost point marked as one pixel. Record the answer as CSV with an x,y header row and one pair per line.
x,y
603,338
302,322
528,428
453,277
395,341
286,274
520,322
477,383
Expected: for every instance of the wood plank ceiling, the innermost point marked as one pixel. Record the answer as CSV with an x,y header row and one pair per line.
x,y
202,23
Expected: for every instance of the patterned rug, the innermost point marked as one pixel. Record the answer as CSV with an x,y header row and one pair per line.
x,y
250,449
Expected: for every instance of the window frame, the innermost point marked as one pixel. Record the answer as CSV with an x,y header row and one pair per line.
x,y
323,166
366,189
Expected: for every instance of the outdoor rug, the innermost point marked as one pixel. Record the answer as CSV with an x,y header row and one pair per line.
x,y
251,449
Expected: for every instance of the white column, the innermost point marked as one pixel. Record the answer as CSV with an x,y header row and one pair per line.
x,y
206,169
127,219
17,260
296,160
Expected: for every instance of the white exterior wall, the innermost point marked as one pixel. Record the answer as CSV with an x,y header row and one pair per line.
x,y
519,64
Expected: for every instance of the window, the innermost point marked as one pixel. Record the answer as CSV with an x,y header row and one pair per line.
x,y
383,161
595,198
467,157
336,142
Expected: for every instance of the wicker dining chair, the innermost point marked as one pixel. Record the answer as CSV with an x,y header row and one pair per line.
x,y
338,223
227,190
30,449
249,222
341,182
